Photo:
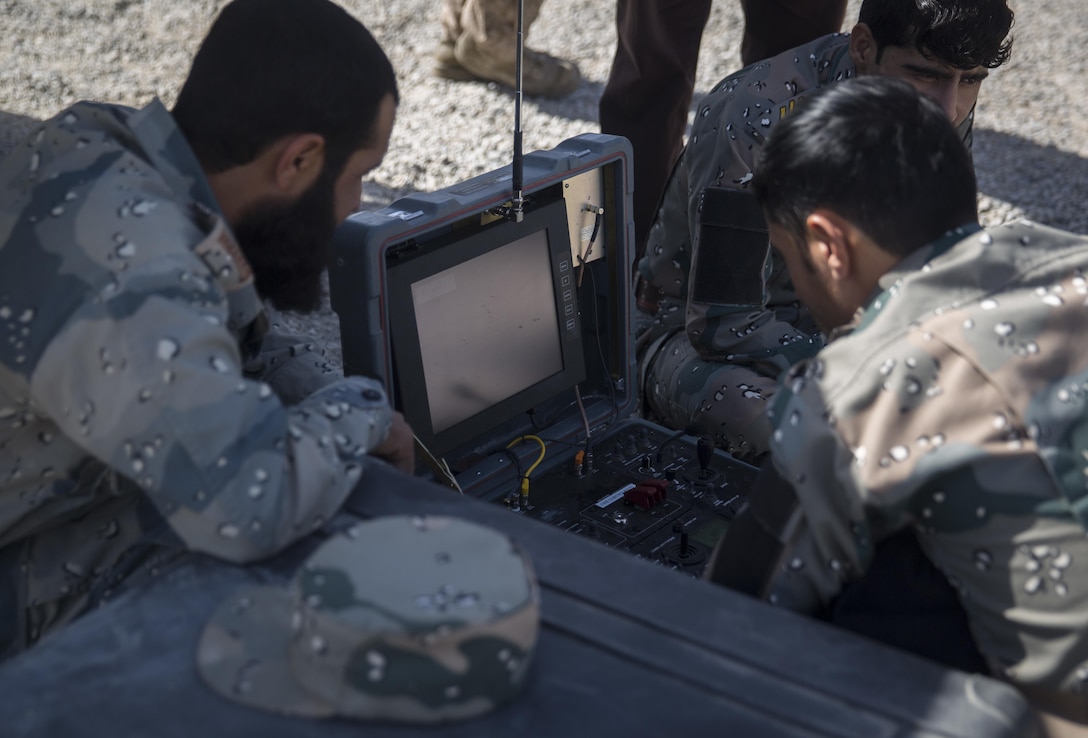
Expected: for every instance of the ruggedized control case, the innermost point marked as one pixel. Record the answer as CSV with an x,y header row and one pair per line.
x,y
568,451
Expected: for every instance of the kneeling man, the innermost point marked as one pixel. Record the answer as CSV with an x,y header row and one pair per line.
x,y
951,399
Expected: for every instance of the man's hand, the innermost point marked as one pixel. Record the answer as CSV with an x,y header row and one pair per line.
x,y
398,448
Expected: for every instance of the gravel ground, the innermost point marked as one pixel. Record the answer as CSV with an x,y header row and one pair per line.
x,y
1031,139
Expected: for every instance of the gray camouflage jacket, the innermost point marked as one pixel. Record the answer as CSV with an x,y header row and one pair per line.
x,y
956,404
134,404
731,124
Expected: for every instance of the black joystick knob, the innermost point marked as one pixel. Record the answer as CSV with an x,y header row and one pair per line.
x,y
685,547
703,450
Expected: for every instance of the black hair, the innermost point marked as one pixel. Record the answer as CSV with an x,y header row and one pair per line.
x,y
878,153
270,68
963,33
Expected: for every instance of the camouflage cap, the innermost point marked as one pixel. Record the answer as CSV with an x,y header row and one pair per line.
x,y
416,619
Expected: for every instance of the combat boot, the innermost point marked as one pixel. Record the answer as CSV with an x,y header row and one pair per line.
x,y
541,74
446,65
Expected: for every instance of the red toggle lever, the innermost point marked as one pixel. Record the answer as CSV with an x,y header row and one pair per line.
x,y
647,494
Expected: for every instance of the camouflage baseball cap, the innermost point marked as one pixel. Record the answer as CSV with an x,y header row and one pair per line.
x,y
417,619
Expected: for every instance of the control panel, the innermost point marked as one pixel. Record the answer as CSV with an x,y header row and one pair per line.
x,y
663,496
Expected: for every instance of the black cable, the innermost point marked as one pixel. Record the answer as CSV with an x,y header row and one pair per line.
x,y
687,431
597,219
614,411
517,469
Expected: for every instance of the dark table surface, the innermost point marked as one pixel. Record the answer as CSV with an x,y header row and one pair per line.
x,y
627,648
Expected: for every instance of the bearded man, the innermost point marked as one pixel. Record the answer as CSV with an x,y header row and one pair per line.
x,y
144,410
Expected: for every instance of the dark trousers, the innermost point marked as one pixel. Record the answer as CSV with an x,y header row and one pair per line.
x,y
650,86
905,601
772,26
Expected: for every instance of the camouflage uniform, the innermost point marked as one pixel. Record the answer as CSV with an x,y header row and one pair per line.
x,y
956,403
135,406
713,365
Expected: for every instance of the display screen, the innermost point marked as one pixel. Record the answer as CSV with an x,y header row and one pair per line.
x,y
484,326
487,329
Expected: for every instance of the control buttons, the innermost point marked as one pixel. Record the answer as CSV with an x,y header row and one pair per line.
x,y
648,494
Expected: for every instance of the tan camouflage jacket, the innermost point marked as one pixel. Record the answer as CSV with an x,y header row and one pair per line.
x,y
957,404
731,124
127,317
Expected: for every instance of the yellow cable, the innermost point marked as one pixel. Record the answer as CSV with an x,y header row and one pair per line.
x,y
524,487
540,458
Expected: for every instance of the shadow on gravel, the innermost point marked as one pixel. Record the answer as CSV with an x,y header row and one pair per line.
x,y
579,105
377,196
13,128
1048,184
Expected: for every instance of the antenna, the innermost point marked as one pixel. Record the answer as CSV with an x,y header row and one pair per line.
x,y
517,210
514,209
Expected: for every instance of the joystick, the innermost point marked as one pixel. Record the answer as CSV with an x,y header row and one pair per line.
x,y
684,552
703,449
704,452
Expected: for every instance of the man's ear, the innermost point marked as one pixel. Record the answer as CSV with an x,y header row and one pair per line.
x,y
829,244
300,161
863,48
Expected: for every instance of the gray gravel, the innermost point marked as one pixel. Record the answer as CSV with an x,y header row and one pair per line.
x,y
1031,141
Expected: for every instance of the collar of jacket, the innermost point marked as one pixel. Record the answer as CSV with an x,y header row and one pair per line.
x,y
170,154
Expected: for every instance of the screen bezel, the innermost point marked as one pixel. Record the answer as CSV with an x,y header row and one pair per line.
x,y
422,260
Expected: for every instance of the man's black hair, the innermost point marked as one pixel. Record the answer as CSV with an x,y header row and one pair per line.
x,y
963,33
270,68
876,152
